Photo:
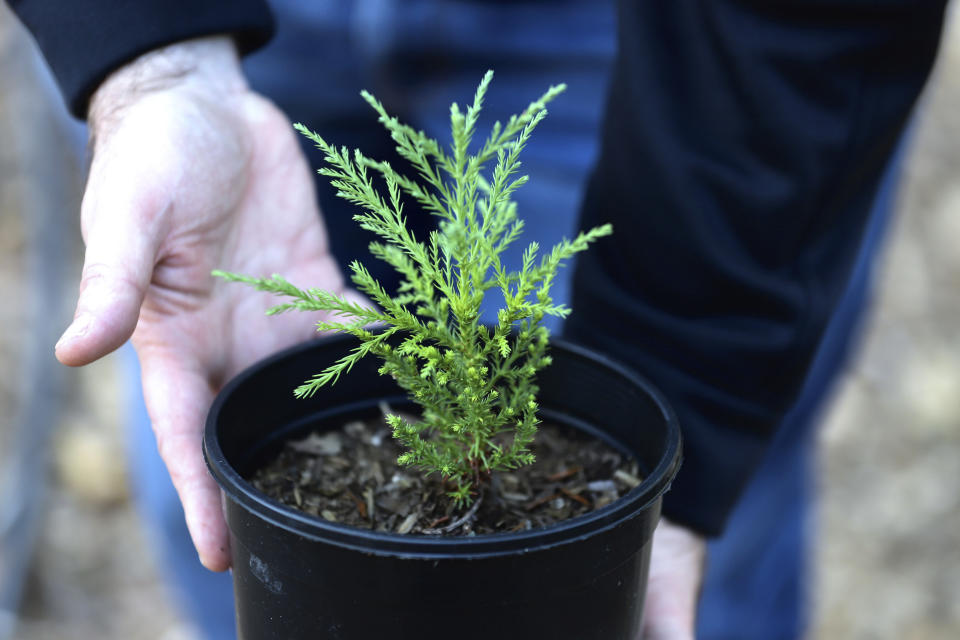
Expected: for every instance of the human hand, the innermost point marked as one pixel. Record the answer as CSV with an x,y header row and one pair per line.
x,y
191,171
676,571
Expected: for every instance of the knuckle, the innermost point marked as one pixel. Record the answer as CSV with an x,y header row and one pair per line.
x,y
163,446
109,277
175,451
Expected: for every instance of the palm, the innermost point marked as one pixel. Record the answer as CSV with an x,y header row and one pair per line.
x,y
199,185
271,224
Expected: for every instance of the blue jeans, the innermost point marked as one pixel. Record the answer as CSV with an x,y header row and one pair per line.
x,y
418,58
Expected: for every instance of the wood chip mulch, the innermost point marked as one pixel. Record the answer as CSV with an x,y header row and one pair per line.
x,y
351,476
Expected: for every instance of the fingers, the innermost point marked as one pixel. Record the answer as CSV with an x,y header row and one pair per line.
x,y
676,571
122,239
177,397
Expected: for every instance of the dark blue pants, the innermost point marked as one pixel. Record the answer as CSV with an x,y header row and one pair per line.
x,y
418,60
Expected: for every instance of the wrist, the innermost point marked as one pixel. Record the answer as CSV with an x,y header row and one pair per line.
x,y
212,63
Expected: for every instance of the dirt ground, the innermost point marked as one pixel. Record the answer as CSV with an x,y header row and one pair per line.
x,y
888,548
888,561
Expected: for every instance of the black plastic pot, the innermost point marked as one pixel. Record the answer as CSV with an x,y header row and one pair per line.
x,y
300,577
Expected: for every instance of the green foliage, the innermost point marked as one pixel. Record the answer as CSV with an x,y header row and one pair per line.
x,y
476,385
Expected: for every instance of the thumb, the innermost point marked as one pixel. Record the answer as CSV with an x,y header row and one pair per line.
x,y
117,270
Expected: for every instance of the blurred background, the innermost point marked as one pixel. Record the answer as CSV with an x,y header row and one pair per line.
x,y
73,554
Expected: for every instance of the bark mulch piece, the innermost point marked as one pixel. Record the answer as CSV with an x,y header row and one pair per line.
x,y
351,476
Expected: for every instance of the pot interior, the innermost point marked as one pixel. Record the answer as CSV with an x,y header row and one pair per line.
x,y
257,412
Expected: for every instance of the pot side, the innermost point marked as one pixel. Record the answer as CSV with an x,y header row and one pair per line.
x,y
298,576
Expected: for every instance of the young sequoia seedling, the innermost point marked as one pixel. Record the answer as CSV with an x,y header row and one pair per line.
x,y
475,385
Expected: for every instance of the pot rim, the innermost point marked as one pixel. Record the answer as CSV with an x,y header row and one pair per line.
x,y
631,505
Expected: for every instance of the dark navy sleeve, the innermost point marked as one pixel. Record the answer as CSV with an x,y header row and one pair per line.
x,y
84,40
743,144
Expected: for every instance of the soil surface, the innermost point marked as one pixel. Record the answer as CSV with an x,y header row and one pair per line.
x,y
351,476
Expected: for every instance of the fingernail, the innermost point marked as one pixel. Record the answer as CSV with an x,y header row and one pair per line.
x,y
77,329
